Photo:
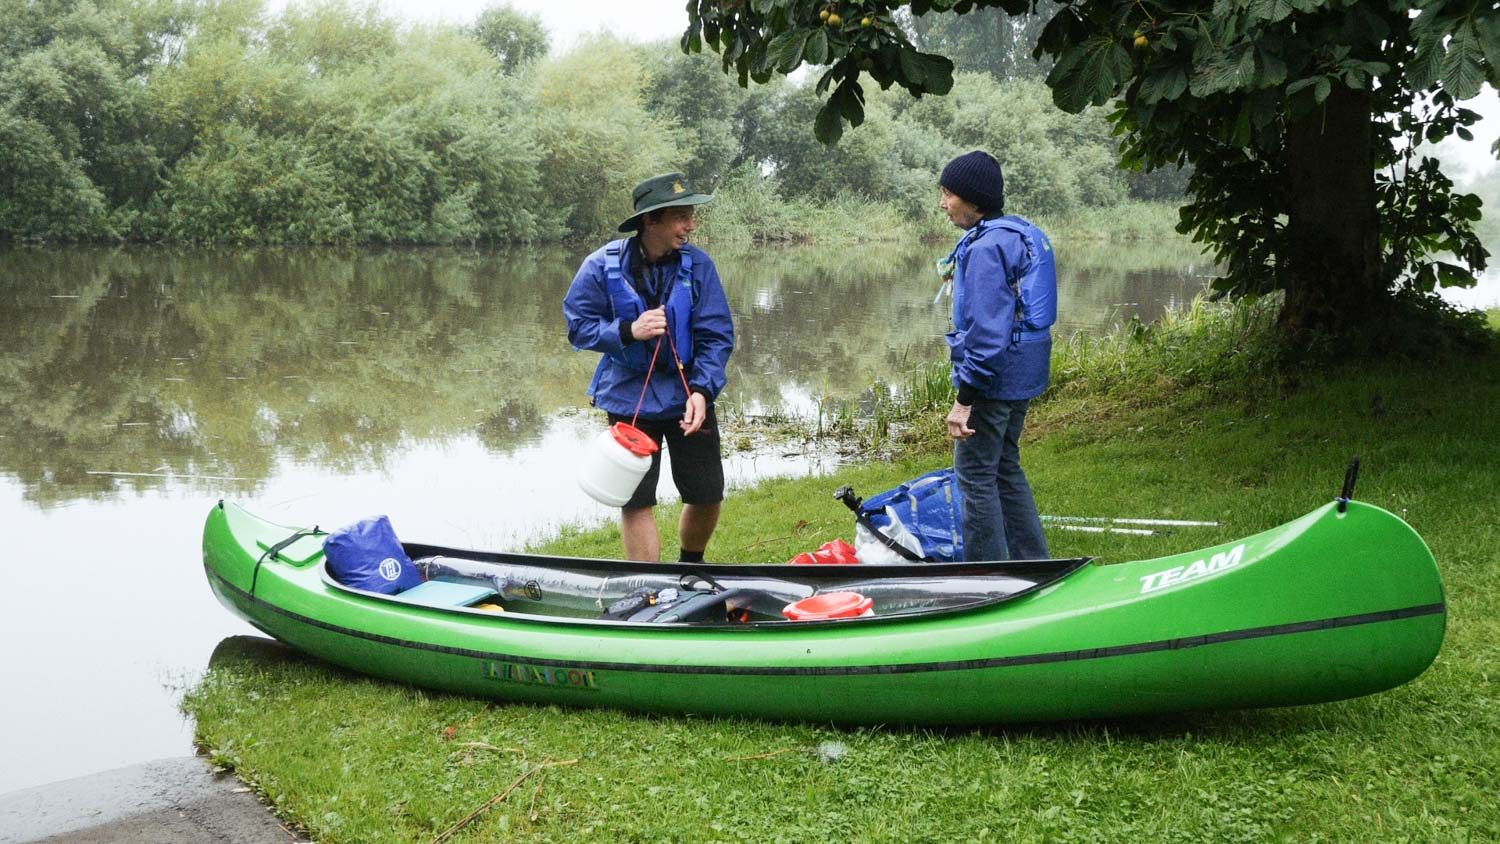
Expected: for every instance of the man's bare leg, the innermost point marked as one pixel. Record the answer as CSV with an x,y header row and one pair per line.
x,y
697,525
638,532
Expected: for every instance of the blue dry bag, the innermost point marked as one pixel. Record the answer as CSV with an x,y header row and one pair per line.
x,y
367,555
930,507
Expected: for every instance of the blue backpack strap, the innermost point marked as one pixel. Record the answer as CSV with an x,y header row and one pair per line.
x,y
612,254
620,293
679,301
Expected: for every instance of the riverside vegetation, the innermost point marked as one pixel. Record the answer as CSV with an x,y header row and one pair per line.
x,y
1200,416
189,121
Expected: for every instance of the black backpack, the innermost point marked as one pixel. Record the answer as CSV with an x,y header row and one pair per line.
x,y
664,606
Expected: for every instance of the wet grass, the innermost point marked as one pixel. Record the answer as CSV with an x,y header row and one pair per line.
x,y
1134,428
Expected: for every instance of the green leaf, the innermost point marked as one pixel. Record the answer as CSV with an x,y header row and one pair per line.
x,y
1242,123
1422,72
785,50
1463,67
828,125
930,72
1488,30
850,99
824,80
1233,71
1166,83
1452,275
1272,70
1271,10
1244,67
1301,83
1323,89
1089,73
816,51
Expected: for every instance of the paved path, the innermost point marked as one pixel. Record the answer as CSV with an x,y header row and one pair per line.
x,y
178,800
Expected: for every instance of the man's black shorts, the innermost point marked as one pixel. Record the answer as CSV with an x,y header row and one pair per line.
x,y
697,469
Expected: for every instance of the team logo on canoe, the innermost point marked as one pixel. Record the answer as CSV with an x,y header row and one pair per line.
x,y
390,569
1198,569
539,675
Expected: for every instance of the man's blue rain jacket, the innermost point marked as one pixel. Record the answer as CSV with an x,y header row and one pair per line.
x,y
595,313
995,356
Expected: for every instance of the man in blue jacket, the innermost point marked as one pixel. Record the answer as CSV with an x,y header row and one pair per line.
x,y
1004,301
653,306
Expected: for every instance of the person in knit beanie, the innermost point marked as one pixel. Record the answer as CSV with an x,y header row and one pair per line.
x,y
1004,302
975,177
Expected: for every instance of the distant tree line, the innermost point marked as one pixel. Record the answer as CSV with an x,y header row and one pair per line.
x,y
215,121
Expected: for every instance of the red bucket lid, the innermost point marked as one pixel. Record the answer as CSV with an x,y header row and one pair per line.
x,y
633,439
828,605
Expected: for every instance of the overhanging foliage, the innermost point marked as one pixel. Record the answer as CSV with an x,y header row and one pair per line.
x,y
1240,89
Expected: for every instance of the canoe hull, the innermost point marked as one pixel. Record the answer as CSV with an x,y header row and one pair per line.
x,y
1328,607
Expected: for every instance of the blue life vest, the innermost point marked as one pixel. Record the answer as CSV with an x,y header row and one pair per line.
x,y
628,303
1036,289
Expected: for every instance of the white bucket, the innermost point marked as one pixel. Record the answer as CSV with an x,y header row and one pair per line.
x,y
614,464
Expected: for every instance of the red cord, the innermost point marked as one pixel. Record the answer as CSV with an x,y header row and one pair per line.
x,y
681,373
649,369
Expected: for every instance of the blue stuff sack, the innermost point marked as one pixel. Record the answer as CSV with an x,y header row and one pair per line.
x,y
930,507
367,555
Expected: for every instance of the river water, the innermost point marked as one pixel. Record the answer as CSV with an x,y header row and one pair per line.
x,y
139,386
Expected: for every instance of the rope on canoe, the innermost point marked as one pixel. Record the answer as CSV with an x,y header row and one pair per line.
x,y
274,552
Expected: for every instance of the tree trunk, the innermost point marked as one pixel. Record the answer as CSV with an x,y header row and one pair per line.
x,y
1333,227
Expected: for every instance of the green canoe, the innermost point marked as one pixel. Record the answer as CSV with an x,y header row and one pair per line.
x,y
1330,606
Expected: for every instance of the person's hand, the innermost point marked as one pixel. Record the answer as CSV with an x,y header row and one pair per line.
x,y
958,422
697,411
652,323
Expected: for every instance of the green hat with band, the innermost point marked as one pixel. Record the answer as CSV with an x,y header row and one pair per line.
x,y
661,191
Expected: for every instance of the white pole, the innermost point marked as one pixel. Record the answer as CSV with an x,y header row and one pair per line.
x,y
1097,529
1110,520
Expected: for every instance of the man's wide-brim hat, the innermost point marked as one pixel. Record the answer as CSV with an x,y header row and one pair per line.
x,y
662,191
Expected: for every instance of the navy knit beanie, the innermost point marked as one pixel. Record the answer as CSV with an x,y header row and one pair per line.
x,y
975,177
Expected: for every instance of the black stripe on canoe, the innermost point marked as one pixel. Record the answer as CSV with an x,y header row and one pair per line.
x,y
1181,643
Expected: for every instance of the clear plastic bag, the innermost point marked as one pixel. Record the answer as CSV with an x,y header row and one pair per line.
x,y
870,549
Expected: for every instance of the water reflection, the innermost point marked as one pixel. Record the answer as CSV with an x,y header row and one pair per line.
x,y
126,366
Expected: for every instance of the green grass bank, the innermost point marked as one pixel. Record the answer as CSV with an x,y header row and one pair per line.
x,y
1191,419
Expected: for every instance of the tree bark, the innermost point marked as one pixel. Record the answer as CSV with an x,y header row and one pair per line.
x,y
1333,227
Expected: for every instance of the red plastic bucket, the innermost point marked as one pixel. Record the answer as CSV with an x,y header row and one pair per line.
x,y
830,605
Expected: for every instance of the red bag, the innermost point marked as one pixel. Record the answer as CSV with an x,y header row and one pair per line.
x,y
835,552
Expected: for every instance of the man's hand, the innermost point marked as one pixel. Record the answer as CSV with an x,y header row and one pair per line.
x,y
697,411
652,323
958,422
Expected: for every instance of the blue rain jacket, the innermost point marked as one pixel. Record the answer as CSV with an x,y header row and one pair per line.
x,y
1001,356
594,308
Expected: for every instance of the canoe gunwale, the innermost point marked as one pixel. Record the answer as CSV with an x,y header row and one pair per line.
x,y
1019,568
1056,571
